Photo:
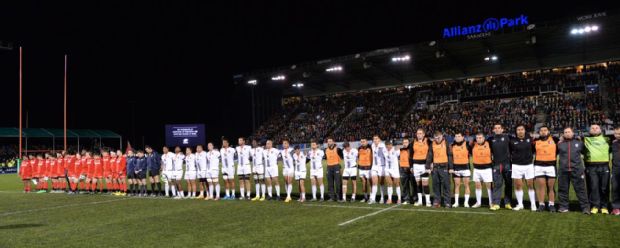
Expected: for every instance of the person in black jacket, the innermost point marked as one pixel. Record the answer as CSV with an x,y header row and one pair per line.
x,y
140,171
153,164
502,171
571,171
615,173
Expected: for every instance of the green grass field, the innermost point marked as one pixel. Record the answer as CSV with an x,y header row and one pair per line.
x,y
60,220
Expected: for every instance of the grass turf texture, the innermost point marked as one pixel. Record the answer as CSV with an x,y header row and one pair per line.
x,y
59,220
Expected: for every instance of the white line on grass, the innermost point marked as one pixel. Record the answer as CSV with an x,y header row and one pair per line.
x,y
400,209
364,216
61,206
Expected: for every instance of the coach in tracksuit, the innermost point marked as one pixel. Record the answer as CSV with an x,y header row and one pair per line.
x,y
333,154
597,169
153,165
571,171
442,168
502,170
407,180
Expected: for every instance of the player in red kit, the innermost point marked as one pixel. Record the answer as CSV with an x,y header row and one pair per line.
x,y
120,174
25,172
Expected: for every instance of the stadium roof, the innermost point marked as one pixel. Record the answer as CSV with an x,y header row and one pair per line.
x,y
520,48
57,133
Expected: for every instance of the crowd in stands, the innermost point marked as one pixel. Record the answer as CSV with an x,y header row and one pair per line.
x,y
469,105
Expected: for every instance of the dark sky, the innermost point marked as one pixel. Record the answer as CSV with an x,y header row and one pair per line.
x,y
173,61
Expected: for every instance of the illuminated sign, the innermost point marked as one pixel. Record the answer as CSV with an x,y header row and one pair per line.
x,y
489,25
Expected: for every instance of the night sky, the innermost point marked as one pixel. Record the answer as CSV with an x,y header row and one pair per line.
x,y
172,61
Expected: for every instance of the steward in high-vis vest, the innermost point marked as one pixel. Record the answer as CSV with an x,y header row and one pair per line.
x,y
545,152
460,156
333,154
422,157
364,163
407,180
597,169
442,168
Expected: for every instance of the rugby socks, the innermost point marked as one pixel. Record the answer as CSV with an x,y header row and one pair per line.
x,y
159,187
322,187
289,188
313,191
490,195
233,193
269,191
390,189
519,194
466,201
242,189
456,198
264,189
217,190
277,186
478,196
174,190
152,188
167,186
373,193
532,194
398,192
257,186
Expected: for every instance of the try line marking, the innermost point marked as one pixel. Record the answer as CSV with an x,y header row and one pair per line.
x,y
364,216
61,206
392,208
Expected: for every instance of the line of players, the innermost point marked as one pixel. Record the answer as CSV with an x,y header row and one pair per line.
x,y
497,161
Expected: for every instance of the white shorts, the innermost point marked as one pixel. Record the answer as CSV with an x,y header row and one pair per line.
x,y
190,175
244,169
418,170
176,175
377,171
318,173
462,173
483,175
299,175
522,171
364,173
393,172
542,171
203,174
271,171
213,174
288,172
228,172
258,169
349,172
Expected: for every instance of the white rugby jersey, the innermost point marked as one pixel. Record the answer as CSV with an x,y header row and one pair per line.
x,y
190,162
350,158
379,154
316,159
271,157
166,161
257,156
287,158
228,157
177,162
300,162
243,154
201,161
213,158
392,158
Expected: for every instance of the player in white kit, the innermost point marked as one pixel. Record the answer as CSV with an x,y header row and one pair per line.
x,y
392,172
258,170
190,172
166,163
316,169
350,171
243,168
228,168
288,170
271,155
177,171
213,172
377,171
300,172
201,165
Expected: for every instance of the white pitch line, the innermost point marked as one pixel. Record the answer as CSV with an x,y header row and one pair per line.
x,y
61,206
400,209
368,215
